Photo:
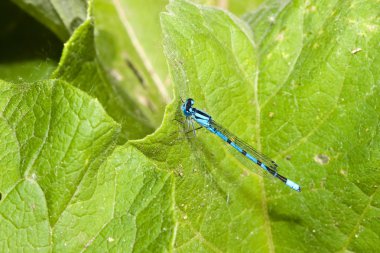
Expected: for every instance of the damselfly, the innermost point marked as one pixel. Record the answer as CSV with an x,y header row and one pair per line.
x,y
204,120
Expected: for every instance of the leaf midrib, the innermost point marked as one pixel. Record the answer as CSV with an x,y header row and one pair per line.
x,y
267,224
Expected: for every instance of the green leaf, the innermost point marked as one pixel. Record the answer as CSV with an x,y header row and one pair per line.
x,y
306,92
105,58
81,66
54,139
65,187
298,80
262,19
128,207
140,23
135,62
24,219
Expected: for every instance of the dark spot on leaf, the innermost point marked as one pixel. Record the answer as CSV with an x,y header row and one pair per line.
x,y
277,215
135,71
321,159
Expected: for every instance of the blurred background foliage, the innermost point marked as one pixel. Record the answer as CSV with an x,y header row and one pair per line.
x,y
33,33
128,50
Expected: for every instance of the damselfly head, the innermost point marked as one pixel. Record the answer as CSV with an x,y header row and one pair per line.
x,y
187,107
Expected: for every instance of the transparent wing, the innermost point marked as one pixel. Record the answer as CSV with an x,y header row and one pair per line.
x,y
185,132
186,125
249,149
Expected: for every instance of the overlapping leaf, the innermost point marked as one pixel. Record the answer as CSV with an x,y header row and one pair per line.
x,y
64,187
306,93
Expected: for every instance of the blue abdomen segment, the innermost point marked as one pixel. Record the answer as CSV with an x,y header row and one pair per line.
x,y
242,151
293,185
272,171
222,136
233,144
250,157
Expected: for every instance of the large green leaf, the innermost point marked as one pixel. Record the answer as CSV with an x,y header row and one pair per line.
x,y
105,58
24,219
128,71
56,130
129,68
64,187
305,91
127,57
80,65
141,23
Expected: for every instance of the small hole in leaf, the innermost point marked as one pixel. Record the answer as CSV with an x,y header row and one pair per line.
x,y
321,159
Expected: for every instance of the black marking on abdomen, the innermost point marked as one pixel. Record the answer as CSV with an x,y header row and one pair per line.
x,y
259,162
244,152
282,178
275,174
229,141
